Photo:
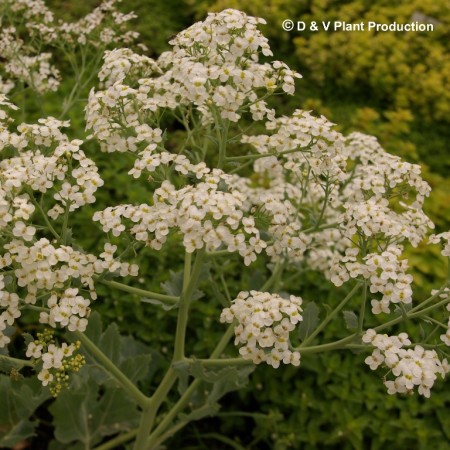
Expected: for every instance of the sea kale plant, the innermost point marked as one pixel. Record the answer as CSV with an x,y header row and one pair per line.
x,y
234,182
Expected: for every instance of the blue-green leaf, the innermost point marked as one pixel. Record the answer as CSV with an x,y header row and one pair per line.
x,y
310,320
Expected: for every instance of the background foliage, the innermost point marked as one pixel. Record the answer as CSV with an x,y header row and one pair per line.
x,y
394,86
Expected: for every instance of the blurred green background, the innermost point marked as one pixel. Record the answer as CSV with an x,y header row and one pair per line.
x,y
391,85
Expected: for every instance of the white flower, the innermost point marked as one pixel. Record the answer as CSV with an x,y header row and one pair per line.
x,y
34,350
21,230
45,376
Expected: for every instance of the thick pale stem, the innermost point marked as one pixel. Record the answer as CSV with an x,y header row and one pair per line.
x,y
184,399
15,363
190,280
151,408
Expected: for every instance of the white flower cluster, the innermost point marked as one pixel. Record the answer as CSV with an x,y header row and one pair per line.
x,y
205,62
213,66
43,268
285,185
380,171
230,74
121,65
70,310
312,141
9,303
375,216
52,358
441,238
46,160
4,116
385,271
264,323
376,181
269,196
25,60
205,215
33,70
412,367
104,25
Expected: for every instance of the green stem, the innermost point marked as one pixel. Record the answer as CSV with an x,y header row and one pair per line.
x,y
429,299
221,345
265,155
411,315
34,308
277,271
329,318
69,101
150,410
224,439
340,344
170,432
179,406
324,205
189,285
325,226
221,362
45,217
223,140
436,322
362,310
343,343
112,369
121,439
225,287
218,253
15,363
187,270
65,224
169,299
184,399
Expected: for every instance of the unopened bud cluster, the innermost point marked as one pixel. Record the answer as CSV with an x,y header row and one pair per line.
x,y
57,361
